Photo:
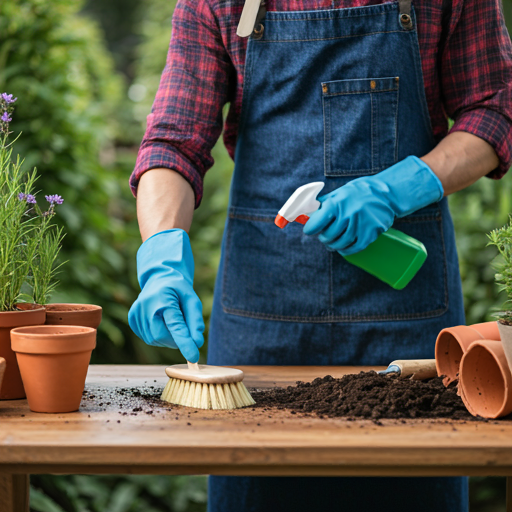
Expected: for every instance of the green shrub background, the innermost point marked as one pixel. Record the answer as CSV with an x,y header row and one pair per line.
x,y
85,74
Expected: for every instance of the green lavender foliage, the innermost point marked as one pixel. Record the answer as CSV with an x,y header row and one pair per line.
x,y
502,239
29,241
15,227
43,264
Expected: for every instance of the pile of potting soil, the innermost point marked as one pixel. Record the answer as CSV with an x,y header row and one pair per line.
x,y
368,395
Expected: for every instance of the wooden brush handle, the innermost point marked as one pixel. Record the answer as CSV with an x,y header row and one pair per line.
x,y
416,369
193,366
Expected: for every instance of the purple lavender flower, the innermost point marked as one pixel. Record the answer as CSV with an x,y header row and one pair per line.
x,y
54,199
5,118
29,198
8,98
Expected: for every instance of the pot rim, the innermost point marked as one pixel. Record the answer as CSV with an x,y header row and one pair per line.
x,y
505,372
79,330
35,308
90,307
458,333
48,341
34,314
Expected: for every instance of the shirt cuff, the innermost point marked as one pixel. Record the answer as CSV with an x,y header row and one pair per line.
x,y
159,155
494,128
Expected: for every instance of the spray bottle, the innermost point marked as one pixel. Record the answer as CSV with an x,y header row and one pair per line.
x,y
393,257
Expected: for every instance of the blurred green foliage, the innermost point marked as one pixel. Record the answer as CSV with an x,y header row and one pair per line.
x,y
79,493
85,82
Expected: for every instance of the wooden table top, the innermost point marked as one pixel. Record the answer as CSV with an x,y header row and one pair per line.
x,y
115,432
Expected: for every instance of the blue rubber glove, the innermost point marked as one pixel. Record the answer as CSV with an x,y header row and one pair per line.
x,y
351,217
168,313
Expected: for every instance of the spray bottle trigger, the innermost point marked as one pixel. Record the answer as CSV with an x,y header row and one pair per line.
x,y
302,219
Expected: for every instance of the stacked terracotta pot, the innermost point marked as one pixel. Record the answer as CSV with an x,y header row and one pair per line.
x,y
476,356
52,358
25,315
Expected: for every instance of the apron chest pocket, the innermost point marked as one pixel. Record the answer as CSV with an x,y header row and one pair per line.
x,y
360,125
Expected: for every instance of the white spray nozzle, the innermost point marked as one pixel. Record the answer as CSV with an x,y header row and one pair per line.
x,y
300,204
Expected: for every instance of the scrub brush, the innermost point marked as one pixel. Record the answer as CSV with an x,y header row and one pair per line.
x,y
206,387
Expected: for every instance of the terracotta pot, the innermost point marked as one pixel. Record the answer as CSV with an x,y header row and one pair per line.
x,y
485,380
454,341
2,370
53,361
30,314
86,315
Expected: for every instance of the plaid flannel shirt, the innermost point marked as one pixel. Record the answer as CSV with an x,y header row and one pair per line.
x,y
467,69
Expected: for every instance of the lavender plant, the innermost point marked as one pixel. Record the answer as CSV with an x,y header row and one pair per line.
x,y
46,246
29,241
502,240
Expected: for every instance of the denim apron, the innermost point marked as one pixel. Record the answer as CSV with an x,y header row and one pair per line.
x,y
329,95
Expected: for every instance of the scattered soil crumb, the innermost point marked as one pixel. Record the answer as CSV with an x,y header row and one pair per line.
x,y
368,395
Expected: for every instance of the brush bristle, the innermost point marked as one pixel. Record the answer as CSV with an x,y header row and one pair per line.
x,y
207,396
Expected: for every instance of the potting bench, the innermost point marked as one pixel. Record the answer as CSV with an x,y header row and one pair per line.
x,y
108,436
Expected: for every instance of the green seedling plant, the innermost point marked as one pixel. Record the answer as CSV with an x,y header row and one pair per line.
x,y
502,239
29,241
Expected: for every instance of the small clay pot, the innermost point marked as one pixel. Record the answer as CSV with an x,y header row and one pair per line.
x,y
453,342
86,315
26,314
485,380
53,361
2,370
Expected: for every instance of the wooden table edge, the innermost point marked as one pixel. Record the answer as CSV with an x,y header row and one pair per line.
x,y
254,470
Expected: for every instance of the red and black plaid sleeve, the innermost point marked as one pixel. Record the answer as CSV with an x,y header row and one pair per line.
x,y
476,76
186,118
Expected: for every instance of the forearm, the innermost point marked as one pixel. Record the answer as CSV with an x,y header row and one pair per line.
x,y
460,159
165,200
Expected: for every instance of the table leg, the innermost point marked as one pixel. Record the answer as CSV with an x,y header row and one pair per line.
x,y
509,494
14,492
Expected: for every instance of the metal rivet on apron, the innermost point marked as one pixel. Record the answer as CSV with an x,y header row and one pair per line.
x,y
325,88
258,31
373,84
406,21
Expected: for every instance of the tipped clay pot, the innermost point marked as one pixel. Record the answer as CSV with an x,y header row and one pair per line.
x,y
86,315
53,361
485,380
28,314
453,342
2,370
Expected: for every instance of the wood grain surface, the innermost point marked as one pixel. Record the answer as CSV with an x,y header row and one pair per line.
x,y
115,432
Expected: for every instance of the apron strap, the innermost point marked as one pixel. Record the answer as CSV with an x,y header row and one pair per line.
x,y
405,6
252,14
405,14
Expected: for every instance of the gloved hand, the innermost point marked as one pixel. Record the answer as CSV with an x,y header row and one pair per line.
x,y
167,312
351,217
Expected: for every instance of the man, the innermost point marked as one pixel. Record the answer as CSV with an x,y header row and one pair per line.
x,y
355,93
